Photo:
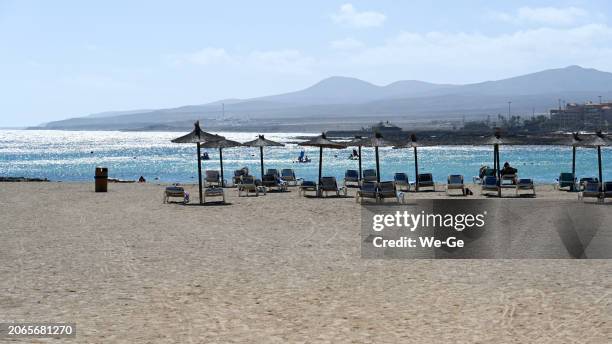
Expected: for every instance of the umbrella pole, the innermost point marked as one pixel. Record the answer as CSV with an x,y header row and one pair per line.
x,y
261,162
599,164
199,172
416,170
359,147
377,165
498,171
320,169
495,159
573,168
221,165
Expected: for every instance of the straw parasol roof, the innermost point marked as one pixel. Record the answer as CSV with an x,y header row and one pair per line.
x,y
597,140
197,136
261,141
412,143
496,139
375,141
322,142
223,143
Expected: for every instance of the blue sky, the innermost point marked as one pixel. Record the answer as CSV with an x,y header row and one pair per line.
x,y
70,58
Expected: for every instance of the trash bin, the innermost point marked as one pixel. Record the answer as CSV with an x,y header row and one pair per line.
x,y
101,178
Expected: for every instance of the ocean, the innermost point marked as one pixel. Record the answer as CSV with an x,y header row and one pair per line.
x,y
73,155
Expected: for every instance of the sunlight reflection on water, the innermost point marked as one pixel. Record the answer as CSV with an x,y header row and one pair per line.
x,y
73,155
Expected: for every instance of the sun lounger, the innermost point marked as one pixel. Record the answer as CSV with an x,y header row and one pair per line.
x,y
176,191
351,176
329,184
508,180
247,184
591,190
288,176
271,181
239,173
307,185
525,184
586,180
608,190
455,182
489,183
273,171
369,175
566,180
212,178
387,190
401,181
214,191
425,180
488,172
367,190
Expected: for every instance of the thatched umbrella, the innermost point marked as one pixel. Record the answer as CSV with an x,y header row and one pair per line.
x,y
575,141
198,136
225,143
322,142
597,141
496,141
413,144
262,142
377,141
358,141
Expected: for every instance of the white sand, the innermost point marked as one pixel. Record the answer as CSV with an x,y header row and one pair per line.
x,y
273,269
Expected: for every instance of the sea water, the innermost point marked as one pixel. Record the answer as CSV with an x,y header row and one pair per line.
x,y
73,156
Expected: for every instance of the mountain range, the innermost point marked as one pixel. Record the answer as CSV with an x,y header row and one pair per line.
x,y
350,102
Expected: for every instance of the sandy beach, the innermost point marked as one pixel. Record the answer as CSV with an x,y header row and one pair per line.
x,y
271,269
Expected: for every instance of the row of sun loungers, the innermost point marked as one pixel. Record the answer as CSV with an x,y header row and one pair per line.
x,y
400,180
594,189
176,191
379,191
490,184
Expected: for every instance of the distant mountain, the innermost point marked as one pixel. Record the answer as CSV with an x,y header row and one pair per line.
x,y
338,98
569,79
116,113
343,90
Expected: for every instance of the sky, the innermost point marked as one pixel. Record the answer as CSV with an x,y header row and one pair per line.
x,y
61,59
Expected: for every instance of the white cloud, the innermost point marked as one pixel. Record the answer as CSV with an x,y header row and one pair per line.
x,y
346,44
349,16
431,56
460,57
550,16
